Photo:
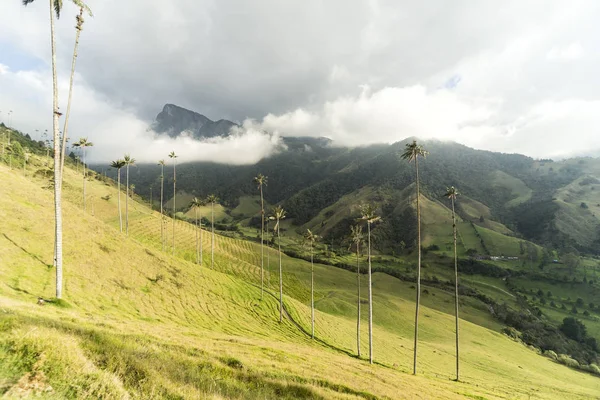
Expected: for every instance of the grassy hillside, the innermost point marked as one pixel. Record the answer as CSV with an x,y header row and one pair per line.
x,y
140,323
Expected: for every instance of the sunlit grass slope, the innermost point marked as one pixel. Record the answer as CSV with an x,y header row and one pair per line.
x,y
140,323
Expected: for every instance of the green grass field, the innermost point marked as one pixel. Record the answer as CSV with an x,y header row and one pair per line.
x,y
137,322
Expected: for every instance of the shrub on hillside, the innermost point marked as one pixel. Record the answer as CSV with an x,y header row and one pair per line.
x,y
568,361
551,355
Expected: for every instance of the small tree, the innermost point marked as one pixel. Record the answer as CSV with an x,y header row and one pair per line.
x,y
118,164
368,215
196,204
261,181
451,193
128,161
311,238
412,153
173,157
357,237
212,199
162,219
277,215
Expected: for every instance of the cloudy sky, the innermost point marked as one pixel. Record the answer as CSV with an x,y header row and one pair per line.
x,y
509,76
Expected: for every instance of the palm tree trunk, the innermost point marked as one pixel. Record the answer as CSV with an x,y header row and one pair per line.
x,y
455,287
370,297
418,270
212,239
83,179
358,301
268,259
57,175
312,291
280,277
197,249
127,202
174,203
262,252
119,199
68,113
162,224
201,255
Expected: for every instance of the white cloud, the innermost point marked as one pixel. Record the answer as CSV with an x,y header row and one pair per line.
x,y
232,59
571,52
385,116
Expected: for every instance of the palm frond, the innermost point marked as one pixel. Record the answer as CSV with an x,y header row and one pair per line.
x,y
451,192
58,4
413,150
83,6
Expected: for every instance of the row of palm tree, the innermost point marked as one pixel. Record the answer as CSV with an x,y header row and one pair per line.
x,y
413,151
55,9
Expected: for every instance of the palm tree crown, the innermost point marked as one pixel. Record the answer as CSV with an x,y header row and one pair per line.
x,y
58,5
118,164
277,215
83,142
212,199
368,214
197,203
260,180
451,193
414,150
128,160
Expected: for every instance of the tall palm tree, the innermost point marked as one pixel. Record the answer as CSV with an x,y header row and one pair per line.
x,y
356,236
78,27
212,199
261,181
268,253
118,164
128,161
412,152
83,143
55,8
162,186
311,238
369,215
196,204
174,158
451,193
278,214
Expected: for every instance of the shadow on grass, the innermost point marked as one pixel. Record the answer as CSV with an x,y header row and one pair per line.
x,y
28,253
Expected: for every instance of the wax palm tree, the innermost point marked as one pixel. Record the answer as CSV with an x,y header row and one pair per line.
x,y
83,143
451,193
196,204
311,238
174,158
128,161
55,8
212,199
411,153
162,186
78,27
368,214
278,214
356,236
261,181
268,253
118,165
